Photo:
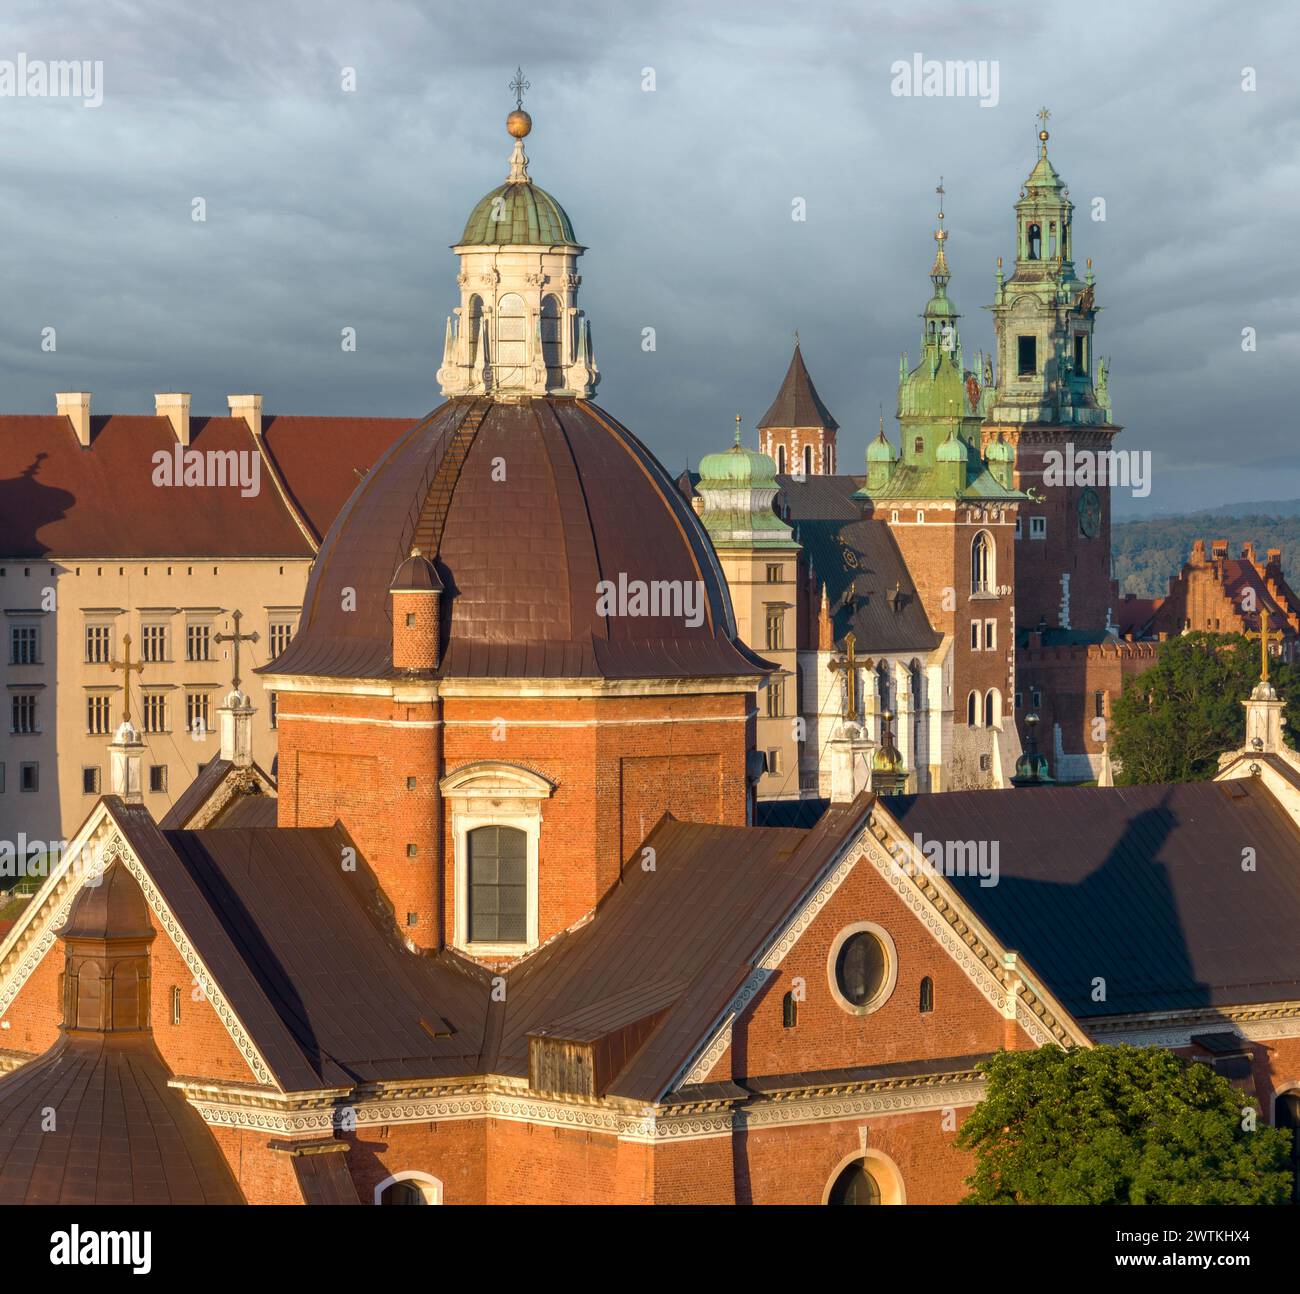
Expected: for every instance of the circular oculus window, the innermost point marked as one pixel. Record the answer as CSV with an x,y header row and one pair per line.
x,y
863,966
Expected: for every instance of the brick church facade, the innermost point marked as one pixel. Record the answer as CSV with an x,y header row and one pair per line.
x,y
500,929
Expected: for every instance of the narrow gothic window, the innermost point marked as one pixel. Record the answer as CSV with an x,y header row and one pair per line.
x,y
992,708
789,1011
972,708
780,459
927,995
1035,240
983,572
807,460
551,341
498,885
918,445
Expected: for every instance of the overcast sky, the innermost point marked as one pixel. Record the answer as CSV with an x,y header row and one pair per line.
x,y
329,209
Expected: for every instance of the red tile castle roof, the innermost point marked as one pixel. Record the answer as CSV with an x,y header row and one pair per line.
x,y
60,499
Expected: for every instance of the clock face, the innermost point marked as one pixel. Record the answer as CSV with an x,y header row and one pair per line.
x,y
1090,514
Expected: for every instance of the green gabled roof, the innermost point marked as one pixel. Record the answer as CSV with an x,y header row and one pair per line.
x,y
519,214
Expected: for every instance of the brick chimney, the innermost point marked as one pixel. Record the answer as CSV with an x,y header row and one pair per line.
x,y
1198,553
75,406
175,407
248,407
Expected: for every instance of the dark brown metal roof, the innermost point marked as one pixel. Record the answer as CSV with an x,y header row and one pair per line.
x,y
121,1135
1141,886
308,954
521,558
680,940
797,404
250,807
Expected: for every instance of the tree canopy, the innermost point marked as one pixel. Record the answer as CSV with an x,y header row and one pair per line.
x,y
1171,723
1119,1125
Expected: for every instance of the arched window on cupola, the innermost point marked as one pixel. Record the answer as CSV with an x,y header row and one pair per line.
x,y
807,460
780,459
983,563
1033,242
473,324
551,350
512,341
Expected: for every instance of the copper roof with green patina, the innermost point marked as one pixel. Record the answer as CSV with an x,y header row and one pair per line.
x,y
520,214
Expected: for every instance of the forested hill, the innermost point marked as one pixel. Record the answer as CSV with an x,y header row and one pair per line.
x,y
1147,553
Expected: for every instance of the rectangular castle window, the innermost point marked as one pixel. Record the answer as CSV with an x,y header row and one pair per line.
x,y
1027,356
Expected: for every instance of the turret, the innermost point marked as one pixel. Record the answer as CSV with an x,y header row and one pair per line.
x,y
416,591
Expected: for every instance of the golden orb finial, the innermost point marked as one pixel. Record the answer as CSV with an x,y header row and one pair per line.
x,y
519,123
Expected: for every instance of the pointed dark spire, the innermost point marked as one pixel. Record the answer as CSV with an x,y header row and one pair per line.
x,y
797,403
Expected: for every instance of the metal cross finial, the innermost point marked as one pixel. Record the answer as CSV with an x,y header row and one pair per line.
x,y
847,664
1044,116
796,336
127,669
236,638
519,85
940,191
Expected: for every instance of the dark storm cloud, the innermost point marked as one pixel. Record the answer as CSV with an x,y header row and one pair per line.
x,y
329,210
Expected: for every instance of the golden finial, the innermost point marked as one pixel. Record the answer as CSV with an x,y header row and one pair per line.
x,y
737,431
519,123
1043,117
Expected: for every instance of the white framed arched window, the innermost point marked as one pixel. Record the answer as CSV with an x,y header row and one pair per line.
x,y
496,827
474,325
807,460
973,709
865,1177
409,1187
983,563
512,341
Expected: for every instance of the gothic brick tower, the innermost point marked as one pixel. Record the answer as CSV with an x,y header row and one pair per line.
x,y
798,433
1051,403
951,509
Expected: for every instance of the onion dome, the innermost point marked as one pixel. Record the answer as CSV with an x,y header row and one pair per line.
x,y
881,450
120,1134
953,450
518,212
888,770
738,466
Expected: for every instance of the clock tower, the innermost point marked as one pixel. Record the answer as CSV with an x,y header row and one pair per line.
x,y
1052,404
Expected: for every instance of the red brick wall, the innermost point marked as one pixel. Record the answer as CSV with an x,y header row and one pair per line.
x,y
963,1022
618,763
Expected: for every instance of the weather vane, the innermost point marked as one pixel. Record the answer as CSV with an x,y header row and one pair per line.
x,y
519,85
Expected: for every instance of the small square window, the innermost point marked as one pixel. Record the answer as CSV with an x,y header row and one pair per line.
x,y
1035,698
773,761
157,778
774,574
410,784
410,619
412,851
412,918
29,777
974,635
90,781
1038,527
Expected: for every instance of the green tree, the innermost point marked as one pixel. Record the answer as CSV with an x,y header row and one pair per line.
x,y
1119,1125
1172,723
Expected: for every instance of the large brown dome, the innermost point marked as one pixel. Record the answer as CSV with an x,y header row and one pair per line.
x,y
525,507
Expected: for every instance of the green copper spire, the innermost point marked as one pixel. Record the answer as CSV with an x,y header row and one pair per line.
x,y
940,409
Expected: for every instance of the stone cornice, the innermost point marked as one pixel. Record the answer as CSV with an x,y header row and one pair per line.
x,y
1264,1022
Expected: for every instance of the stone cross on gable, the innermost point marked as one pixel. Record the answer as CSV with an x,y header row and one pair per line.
x,y
236,638
127,668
